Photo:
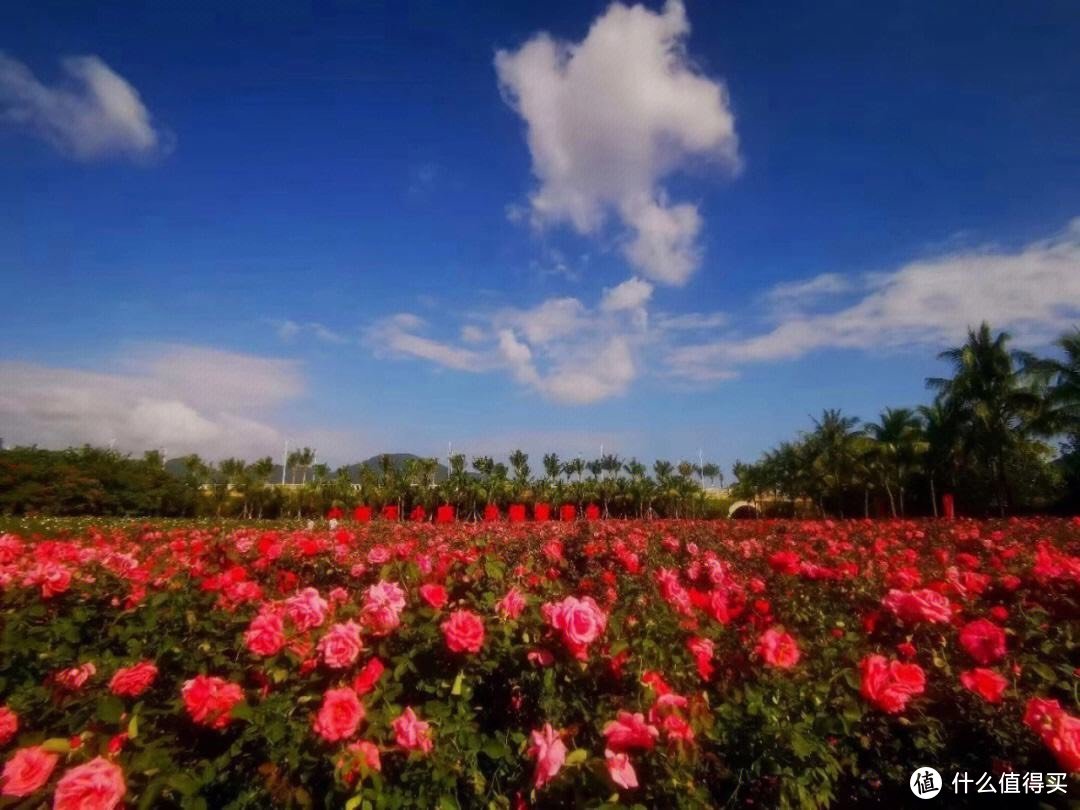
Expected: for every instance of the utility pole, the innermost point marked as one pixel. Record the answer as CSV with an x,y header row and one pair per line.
x,y
284,462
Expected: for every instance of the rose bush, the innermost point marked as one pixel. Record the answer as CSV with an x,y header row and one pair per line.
x,y
497,665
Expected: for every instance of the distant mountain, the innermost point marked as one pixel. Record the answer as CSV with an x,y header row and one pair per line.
x,y
397,460
175,466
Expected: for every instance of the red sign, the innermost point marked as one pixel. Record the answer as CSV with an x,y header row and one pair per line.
x,y
491,513
444,514
517,513
418,514
567,512
542,511
592,512
948,506
362,514
335,513
390,512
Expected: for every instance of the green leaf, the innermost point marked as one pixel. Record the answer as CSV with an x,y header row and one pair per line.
x,y
110,709
577,756
56,745
458,681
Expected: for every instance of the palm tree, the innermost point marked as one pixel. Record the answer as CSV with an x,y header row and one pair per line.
x,y
897,444
519,460
1062,380
940,435
997,408
836,453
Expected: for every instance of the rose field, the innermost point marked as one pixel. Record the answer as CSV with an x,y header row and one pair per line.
x,y
594,664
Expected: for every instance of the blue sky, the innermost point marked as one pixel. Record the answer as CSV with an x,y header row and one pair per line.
x,y
376,226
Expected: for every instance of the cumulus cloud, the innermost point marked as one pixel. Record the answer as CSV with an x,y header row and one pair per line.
x,y
94,112
1033,291
609,118
561,348
182,398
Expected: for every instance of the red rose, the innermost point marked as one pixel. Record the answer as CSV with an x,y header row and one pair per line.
x,y
27,771
209,700
434,595
889,685
983,640
464,631
986,683
368,677
339,716
628,731
134,680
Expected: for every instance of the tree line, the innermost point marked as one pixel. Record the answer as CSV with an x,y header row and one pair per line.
x,y
90,480
1002,435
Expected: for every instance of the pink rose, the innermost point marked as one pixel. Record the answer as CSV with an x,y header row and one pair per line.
x,y
74,678
9,724
620,770
550,753
356,757
983,640
382,608
27,771
628,731
581,621
339,716
1060,731
778,649
55,579
306,610
209,700
341,645
463,631
97,785
134,680
511,605
434,595
265,635
411,733
914,606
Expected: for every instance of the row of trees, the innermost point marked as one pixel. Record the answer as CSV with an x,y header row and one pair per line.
x,y
97,481
1002,434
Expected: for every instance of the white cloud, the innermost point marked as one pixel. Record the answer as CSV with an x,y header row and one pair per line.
x,y
800,293
182,398
396,336
94,113
562,349
691,321
553,319
609,118
632,294
1034,292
